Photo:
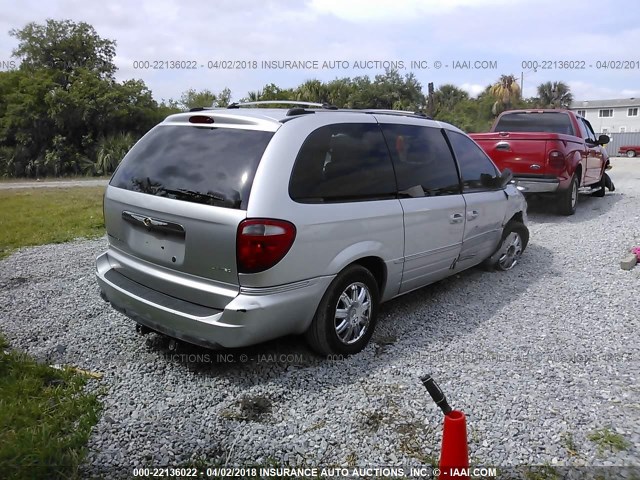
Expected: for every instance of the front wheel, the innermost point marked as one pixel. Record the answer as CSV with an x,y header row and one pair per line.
x,y
568,200
631,153
346,316
515,238
602,186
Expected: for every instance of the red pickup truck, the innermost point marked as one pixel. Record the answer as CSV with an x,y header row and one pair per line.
x,y
629,150
552,152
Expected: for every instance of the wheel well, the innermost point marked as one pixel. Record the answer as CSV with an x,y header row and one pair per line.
x,y
579,174
377,268
517,218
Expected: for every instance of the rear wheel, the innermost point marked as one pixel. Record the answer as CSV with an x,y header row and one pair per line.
x,y
568,199
515,238
631,153
346,316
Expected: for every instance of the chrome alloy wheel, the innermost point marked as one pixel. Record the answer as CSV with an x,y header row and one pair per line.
x,y
353,313
574,194
511,251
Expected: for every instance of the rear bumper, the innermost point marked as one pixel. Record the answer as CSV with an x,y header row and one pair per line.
x,y
255,315
537,185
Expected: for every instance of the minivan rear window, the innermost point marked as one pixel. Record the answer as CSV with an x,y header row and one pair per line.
x,y
551,122
214,166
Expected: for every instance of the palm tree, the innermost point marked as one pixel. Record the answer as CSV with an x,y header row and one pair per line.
x,y
111,151
312,91
506,91
554,95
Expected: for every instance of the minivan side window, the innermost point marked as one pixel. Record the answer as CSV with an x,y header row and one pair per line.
x,y
346,162
422,159
476,169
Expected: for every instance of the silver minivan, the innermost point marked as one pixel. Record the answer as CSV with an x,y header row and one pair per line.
x,y
230,227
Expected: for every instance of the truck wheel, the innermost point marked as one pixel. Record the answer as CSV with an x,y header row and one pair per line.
x,y
602,184
631,153
515,238
568,200
346,316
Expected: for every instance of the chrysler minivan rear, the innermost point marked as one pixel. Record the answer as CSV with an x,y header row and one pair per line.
x,y
175,212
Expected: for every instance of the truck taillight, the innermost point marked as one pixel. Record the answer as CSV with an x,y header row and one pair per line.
x,y
261,243
556,160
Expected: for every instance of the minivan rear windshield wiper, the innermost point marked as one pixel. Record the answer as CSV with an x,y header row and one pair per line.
x,y
210,198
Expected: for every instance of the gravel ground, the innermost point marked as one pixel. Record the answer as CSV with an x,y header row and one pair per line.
x,y
539,358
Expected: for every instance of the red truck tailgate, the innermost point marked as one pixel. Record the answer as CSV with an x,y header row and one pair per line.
x,y
521,152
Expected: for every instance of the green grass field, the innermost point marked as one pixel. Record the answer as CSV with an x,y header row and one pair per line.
x,y
38,216
45,418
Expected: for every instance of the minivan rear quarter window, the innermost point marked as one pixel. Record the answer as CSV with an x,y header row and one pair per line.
x,y
343,163
214,166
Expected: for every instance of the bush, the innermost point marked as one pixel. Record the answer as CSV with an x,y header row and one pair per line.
x,y
111,151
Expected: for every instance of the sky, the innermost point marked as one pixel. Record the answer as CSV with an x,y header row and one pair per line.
x,y
468,43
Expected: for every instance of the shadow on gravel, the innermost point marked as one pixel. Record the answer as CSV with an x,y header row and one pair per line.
x,y
437,313
543,210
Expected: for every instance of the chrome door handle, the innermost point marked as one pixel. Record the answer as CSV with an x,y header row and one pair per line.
x,y
456,218
472,215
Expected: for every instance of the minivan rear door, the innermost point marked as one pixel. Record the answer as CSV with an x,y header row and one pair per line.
x,y
173,207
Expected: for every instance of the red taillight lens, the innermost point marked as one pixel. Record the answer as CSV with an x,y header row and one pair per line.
x,y
556,160
261,243
200,119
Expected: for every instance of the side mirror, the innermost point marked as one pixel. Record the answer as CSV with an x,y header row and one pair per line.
x,y
603,139
505,177
499,181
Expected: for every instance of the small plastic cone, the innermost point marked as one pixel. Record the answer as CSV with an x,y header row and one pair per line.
x,y
454,456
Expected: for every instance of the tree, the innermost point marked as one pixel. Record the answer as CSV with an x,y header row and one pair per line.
x,y
339,91
57,108
554,95
447,97
312,91
64,46
192,98
506,92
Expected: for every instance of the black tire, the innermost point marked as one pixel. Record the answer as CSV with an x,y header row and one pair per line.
x,y
631,153
609,183
568,199
602,184
322,334
497,261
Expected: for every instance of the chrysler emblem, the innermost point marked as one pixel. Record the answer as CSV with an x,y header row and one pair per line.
x,y
147,222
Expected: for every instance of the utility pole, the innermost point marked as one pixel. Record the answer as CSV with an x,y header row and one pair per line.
x,y
430,105
522,83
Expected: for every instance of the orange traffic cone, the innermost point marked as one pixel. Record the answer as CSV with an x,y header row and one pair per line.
x,y
454,455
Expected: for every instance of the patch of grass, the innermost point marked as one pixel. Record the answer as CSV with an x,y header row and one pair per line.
x,y
45,418
607,439
570,444
39,216
542,472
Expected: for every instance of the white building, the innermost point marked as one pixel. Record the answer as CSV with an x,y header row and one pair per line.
x,y
610,116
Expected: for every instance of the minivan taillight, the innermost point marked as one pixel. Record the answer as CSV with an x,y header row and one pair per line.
x,y
261,243
556,160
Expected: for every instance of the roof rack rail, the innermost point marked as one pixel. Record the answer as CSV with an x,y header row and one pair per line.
x,y
396,112
298,111
326,106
